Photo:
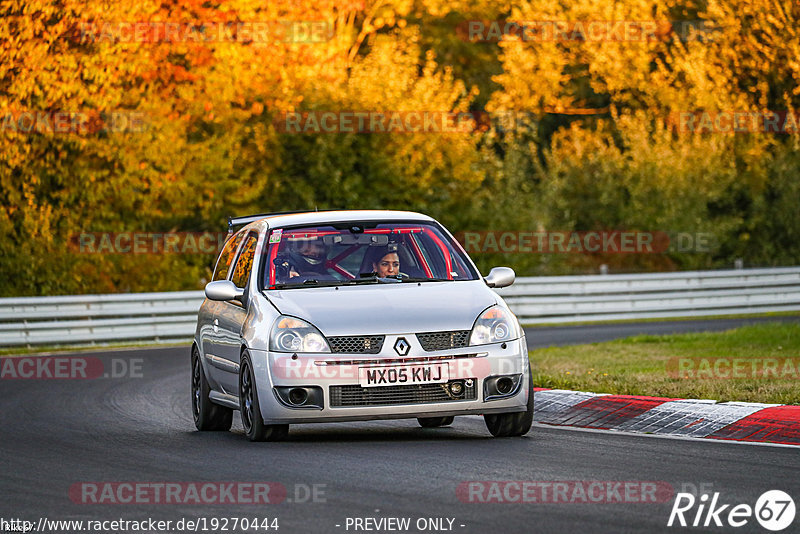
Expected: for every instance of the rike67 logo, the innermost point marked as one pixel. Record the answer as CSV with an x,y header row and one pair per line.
x,y
774,510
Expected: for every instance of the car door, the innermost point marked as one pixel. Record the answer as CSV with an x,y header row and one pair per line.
x,y
231,315
210,338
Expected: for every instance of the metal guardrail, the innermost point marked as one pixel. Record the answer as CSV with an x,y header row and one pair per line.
x,y
569,299
171,317
90,319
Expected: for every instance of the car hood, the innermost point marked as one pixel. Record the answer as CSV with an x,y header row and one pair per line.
x,y
387,308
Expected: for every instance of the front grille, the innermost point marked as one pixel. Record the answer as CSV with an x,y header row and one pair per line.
x,y
444,340
355,395
356,344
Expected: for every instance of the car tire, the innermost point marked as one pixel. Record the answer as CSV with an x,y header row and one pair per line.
x,y
253,424
207,415
434,422
505,425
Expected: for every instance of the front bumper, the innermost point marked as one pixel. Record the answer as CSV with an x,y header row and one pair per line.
x,y
345,400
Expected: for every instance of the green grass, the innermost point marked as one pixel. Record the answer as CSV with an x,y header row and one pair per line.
x,y
639,365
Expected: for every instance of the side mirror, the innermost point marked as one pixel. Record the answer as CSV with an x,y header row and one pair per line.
x,y
500,277
223,290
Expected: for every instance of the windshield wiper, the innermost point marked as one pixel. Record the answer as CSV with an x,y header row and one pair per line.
x,y
305,283
368,279
372,279
427,280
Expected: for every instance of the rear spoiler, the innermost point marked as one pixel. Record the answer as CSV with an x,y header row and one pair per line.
x,y
247,219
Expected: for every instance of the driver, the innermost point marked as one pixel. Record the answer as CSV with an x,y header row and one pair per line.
x,y
310,255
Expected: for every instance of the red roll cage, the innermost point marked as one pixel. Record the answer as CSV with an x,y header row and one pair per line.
x,y
335,262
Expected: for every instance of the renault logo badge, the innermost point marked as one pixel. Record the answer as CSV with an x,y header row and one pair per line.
x,y
401,346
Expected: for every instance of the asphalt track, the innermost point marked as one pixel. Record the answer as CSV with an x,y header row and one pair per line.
x,y
56,433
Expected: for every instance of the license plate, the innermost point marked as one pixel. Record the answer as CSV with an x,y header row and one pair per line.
x,y
434,373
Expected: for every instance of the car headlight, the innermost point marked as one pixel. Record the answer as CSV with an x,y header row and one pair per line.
x,y
493,326
290,334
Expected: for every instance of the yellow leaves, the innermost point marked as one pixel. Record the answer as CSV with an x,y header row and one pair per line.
x,y
210,105
732,58
37,217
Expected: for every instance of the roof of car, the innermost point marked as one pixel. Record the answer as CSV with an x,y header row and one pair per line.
x,y
322,217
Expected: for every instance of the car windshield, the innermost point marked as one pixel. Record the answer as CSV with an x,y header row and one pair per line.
x,y
361,253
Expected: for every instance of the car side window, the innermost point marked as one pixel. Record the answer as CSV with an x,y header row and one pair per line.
x,y
225,258
436,260
245,262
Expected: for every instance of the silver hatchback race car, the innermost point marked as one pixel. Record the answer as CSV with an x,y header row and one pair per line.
x,y
351,316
